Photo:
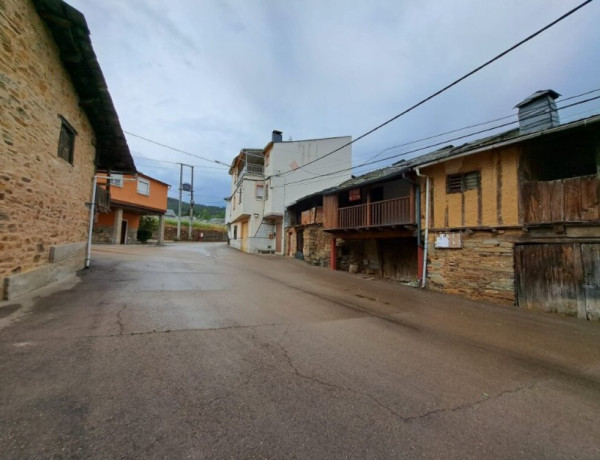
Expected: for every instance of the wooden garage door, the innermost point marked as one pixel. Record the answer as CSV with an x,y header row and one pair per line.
x,y
563,278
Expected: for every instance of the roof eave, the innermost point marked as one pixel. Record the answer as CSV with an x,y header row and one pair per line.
x,y
72,36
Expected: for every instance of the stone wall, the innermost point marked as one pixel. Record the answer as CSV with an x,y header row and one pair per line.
x,y
209,235
482,269
317,246
42,197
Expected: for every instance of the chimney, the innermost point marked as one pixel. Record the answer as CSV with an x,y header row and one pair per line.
x,y
538,111
276,136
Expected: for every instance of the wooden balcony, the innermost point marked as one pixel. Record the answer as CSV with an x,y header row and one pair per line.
x,y
397,211
561,201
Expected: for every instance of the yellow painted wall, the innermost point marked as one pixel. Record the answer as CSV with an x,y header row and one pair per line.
x,y
498,170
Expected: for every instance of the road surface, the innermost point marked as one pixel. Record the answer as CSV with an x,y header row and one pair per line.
x,y
199,351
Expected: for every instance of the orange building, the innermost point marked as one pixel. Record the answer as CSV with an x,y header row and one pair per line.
x,y
131,196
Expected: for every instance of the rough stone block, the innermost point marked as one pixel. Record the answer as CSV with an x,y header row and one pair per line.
x,y
67,251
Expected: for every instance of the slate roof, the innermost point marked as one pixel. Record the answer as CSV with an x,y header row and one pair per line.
x,y
512,136
72,36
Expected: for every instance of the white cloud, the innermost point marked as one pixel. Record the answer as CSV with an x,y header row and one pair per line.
x,y
214,77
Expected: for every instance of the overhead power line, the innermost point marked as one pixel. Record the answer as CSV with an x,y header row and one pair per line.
x,y
447,87
221,168
427,147
176,149
506,117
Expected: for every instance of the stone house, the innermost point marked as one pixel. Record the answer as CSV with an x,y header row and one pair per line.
x,y
305,237
57,125
372,222
515,218
131,197
265,181
512,218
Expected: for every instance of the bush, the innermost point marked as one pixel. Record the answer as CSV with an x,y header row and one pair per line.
x,y
148,225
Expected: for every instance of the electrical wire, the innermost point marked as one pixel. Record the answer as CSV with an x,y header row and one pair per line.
x,y
447,87
221,168
427,147
179,150
470,127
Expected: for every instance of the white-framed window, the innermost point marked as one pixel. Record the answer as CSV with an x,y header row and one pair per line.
x,y
260,191
116,180
143,186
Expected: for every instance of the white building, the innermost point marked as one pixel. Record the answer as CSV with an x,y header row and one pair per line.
x,y
264,182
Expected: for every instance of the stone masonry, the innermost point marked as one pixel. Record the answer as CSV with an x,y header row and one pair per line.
x,y
42,197
317,246
482,269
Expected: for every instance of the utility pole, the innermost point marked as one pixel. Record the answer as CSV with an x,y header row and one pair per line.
x,y
191,206
180,190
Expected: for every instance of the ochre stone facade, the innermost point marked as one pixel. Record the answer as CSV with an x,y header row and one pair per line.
x,y
42,197
482,269
317,246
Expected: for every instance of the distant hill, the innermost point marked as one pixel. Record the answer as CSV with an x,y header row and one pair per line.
x,y
201,211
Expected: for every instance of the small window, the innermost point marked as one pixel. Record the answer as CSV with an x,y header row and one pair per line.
x,y
457,183
240,196
260,191
66,141
354,195
235,232
116,180
143,187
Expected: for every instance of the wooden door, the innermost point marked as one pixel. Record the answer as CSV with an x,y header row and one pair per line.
x,y
123,232
590,255
244,236
563,278
278,237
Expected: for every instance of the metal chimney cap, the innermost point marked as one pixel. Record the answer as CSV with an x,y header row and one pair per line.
x,y
538,94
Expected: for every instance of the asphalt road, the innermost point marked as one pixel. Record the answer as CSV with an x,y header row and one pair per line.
x,y
199,351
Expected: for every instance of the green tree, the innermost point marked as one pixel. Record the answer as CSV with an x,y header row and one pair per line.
x,y
148,225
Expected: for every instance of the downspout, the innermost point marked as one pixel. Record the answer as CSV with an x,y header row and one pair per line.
x,y
88,253
426,236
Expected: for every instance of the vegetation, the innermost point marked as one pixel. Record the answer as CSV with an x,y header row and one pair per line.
x,y
148,225
201,211
196,224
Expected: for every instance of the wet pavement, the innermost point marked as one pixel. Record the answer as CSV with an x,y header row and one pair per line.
x,y
195,350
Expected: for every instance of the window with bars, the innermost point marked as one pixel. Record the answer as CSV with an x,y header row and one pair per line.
x,y
458,183
66,141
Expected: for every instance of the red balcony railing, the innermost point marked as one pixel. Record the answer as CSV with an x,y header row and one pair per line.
x,y
396,211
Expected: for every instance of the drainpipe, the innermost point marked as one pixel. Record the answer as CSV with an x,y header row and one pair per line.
x,y
88,254
426,236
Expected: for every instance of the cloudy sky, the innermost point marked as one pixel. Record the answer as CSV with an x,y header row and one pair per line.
x,y
211,77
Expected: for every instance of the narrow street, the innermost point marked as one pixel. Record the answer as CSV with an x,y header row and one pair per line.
x,y
200,351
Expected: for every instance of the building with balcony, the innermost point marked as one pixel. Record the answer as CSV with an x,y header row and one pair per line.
x,y
265,181
512,218
129,198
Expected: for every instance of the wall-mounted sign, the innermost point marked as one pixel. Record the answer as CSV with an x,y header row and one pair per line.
x,y
448,241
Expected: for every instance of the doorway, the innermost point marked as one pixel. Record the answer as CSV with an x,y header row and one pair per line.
x,y
561,277
123,231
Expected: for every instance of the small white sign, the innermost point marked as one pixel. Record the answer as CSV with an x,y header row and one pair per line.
x,y
448,241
